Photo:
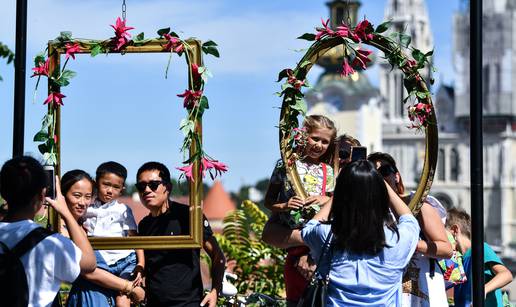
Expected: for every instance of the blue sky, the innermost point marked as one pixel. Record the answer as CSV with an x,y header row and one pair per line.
x,y
121,108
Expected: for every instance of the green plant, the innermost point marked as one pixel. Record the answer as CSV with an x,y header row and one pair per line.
x,y
5,52
259,266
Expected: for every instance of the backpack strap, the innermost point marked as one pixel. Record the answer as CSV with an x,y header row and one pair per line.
x,y
30,240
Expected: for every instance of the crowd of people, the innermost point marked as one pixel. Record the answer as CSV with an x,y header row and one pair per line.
x,y
363,237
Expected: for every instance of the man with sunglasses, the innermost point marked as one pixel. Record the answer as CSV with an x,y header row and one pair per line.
x,y
423,283
173,277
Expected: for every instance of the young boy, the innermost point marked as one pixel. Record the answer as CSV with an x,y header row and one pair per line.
x,y
458,222
107,217
54,259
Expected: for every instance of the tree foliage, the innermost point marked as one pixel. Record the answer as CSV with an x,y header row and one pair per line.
x,y
258,265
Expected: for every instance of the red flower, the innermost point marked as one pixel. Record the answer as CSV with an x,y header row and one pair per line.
x,y
121,36
195,71
361,59
55,138
72,49
190,98
324,31
41,69
55,98
187,171
206,165
342,30
364,30
174,44
292,80
346,69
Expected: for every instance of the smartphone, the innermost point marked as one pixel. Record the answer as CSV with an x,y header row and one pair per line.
x,y
51,181
358,153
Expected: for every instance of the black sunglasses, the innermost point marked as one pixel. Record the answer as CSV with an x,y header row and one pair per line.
x,y
386,170
153,185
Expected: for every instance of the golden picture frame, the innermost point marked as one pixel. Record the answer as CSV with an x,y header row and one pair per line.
x,y
194,239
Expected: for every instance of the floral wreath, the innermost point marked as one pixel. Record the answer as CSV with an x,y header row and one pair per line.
x,y
194,100
395,46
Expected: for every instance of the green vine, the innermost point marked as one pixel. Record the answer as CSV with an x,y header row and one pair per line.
x,y
195,102
6,53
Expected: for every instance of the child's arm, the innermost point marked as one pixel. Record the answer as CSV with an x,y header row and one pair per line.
x,y
271,200
502,277
140,261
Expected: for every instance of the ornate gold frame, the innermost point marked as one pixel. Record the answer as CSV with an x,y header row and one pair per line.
x,y
194,240
431,140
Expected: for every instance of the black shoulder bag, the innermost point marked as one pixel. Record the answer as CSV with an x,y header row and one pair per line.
x,y
316,292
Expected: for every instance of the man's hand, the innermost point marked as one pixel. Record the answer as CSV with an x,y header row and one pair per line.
x,y
210,299
138,273
305,266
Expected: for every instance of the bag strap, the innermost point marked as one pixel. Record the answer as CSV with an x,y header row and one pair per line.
x,y
326,246
30,240
324,173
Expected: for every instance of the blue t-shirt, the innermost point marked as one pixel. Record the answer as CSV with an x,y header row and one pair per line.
x,y
365,280
462,292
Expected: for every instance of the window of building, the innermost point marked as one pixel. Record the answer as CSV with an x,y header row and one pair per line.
x,y
454,165
441,166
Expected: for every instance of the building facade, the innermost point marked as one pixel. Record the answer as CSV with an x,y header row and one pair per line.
x,y
342,99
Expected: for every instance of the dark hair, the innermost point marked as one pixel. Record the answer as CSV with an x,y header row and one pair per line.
x,y
344,143
21,179
164,173
71,177
113,168
386,159
360,209
461,218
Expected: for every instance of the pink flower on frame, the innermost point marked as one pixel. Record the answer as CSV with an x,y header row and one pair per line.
x,y
121,35
55,98
324,31
346,69
190,98
363,30
187,171
361,58
41,69
219,167
174,44
72,49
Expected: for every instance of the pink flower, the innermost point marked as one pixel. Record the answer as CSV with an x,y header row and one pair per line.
x,y
206,165
324,31
219,167
174,44
292,80
55,138
72,49
121,36
41,69
346,69
342,31
298,133
411,63
364,30
55,98
361,58
187,171
190,98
